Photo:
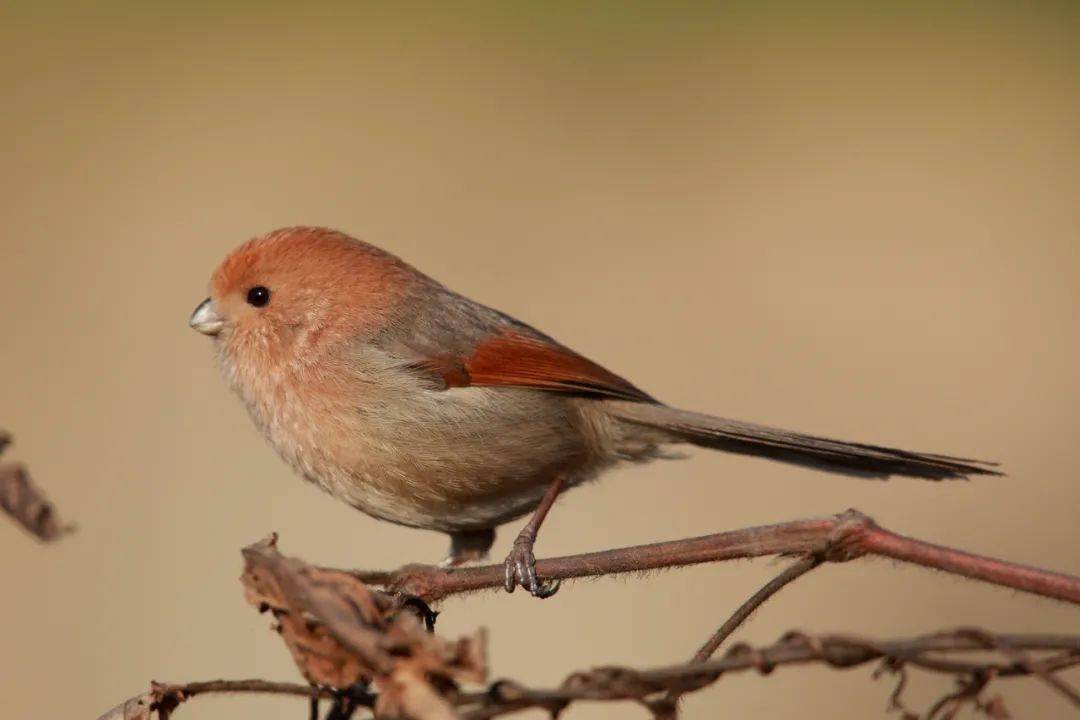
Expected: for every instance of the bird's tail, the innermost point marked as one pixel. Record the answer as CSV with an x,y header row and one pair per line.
x,y
807,450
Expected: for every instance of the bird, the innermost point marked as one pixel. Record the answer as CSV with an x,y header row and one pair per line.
x,y
421,407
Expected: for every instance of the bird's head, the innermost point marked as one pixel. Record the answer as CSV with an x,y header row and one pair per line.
x,y
288,295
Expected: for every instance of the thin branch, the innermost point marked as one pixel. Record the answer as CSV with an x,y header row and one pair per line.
x,y
25,502
1043,670
792,573
846,536
667,706
167,696
835,651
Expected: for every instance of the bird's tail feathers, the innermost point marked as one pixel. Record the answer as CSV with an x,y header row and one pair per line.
x,y
807,450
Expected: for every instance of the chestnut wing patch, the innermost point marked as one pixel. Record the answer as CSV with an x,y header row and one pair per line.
x,y
515,359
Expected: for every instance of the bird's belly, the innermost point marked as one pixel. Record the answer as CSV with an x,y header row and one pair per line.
x,y
386,497
461,459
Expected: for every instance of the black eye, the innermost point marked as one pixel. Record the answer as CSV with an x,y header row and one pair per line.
x,y
258,296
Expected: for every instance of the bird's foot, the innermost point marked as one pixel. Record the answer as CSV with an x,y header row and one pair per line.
x,y
520,567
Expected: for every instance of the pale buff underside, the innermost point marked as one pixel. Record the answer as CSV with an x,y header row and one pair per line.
x,y
373,434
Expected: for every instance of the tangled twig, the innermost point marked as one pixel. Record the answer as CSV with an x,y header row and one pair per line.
x,y
836,651
618,683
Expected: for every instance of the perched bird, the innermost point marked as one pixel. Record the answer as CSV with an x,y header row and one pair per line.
x,y
419,406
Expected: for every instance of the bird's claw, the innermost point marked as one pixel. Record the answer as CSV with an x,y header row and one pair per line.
x,y
520,568
547,589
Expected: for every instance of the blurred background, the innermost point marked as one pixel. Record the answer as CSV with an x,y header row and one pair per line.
x,y
859,220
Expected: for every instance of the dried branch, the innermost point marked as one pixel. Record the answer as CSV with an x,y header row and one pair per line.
x,y
846,536
344,635
25,502
317,595
166,697
795,571
667,705
931,652
836,651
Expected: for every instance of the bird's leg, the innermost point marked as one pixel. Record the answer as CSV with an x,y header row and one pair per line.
x,y
468,546
520,564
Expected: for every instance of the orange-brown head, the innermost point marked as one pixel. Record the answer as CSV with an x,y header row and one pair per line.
x,y
297,290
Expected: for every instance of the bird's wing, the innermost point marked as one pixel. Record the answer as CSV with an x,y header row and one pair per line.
x,y
466,344
521,359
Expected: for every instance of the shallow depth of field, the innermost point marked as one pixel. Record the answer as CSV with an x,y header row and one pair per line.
x,y
859,222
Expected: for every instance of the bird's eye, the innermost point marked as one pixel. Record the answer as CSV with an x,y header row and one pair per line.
x,y
258,296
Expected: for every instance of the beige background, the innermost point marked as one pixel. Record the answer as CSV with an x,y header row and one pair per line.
x,y
859,222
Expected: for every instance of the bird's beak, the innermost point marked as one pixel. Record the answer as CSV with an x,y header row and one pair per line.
x,y
205,320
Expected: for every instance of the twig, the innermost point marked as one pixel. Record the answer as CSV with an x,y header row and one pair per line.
x,y
793,572
968,691
25,502
1041,670
836,651
843,537
167,696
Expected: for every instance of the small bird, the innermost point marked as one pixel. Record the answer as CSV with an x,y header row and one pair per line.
x,y
421,407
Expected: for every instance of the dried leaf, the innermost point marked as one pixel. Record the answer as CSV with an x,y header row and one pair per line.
x,y
341,633
25,502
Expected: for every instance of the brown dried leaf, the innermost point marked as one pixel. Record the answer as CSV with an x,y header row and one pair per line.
x,y
285,586
25,502
340,633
